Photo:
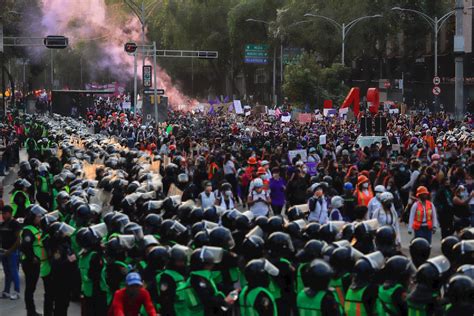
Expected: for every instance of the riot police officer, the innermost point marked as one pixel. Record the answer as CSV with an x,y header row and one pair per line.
x,y
34,260
255,298
429,276
317,298
391,294
420,250
171,278
20,199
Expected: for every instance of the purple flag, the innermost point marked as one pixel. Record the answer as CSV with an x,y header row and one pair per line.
x,y
211,110
231,107
226,99
211,102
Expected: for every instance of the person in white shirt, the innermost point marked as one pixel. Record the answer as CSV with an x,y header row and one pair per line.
x,y
385,214
374,202
225,197
318,205
313,156
337,203
259,199
266,165
207,197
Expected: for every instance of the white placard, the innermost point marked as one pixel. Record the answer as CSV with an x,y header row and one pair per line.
x,y
126,105
238,107
322,139
271,112
247,113
286,119
302,152
393,111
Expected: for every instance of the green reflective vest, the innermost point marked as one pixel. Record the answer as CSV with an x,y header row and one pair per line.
x,y
187,302
418,309
247,301
14,205
273,287
39,251
103,280
384,304
338,285
44,184
353,304
312,306
84,262
299,277
30,144
177,277
54,204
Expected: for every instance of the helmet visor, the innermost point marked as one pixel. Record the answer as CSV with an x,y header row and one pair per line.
x,y
95,209
66,230
100,230
53,216
209,225
249,215
256,231
178,227
371,225
336,226
301,223
211,254
270,268
342,243
127,241
180,249
467,246
149,240
441,263
154,205
376,260
38,210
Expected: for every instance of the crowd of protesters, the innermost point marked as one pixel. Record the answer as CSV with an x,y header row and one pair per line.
x,y
255,216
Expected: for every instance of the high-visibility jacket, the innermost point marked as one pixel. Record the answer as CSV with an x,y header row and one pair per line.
x,y
384,304
87,285
420,211
273,287
39,250
338,285
247,299
299,277
103,280
353,304
13,203
364,199
177,277
187,302
312,306
44,184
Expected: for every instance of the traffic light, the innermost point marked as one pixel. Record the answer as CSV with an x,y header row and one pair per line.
x,y
130,47
56,41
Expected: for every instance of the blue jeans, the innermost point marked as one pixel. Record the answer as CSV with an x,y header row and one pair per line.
x,y
424,232
11,270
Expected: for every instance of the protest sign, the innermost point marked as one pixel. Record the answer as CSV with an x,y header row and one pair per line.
x,y
286,119
304,118
238,107
322,139
312,168
293,153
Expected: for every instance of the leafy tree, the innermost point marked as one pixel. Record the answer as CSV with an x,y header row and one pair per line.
x,y
307,82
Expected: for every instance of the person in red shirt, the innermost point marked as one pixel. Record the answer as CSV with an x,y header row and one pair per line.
x,y
129,300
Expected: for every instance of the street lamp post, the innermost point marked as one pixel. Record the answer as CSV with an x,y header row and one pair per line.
x,y
435,24
344,28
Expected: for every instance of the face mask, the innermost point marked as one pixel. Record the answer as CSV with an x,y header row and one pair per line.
x,y
389,188
402,169
365,185
305,170
228,193
463,194
276,175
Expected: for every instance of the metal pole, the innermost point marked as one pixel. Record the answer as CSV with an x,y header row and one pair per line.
x,y
155,94
143,33
81,73
436,47
52,70
135,99
274,75
343,42
459,62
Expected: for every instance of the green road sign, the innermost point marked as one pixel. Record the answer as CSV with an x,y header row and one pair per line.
x,y
256,54
256,47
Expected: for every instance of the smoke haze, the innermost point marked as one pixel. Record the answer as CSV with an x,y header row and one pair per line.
x,y
91,22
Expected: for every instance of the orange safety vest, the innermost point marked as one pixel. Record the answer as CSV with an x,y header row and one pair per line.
x,y
212,170
419,215
363,199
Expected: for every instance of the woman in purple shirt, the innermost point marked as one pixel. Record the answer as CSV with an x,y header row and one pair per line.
x,y
277,191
